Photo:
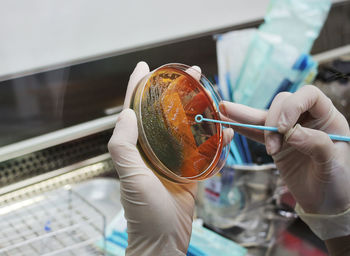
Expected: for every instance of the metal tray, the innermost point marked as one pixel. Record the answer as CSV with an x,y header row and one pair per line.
x,y
66,221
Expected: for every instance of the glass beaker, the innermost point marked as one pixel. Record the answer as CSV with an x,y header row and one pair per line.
x,y
243,203
171,142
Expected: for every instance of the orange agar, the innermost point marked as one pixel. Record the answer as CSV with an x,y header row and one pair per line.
x,y
166,106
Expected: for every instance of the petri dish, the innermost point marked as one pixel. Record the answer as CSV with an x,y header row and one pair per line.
x,y
170,141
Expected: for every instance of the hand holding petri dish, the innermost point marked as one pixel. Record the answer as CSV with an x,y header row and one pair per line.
x,y
171,142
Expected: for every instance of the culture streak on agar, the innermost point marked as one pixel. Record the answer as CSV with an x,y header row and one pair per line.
x,y
169,102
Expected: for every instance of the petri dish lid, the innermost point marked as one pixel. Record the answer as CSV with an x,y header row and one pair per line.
x,y
173,141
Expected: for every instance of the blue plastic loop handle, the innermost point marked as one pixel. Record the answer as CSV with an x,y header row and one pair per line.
x,y
200,118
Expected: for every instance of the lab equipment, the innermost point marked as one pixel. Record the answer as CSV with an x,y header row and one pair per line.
x,y
274,54
296,22
231,49
256,64
200,118
171,142
240,202
53,223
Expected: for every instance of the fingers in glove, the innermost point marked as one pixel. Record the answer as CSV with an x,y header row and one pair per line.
x,y
136,178
140,71
273,140
227,136
122,145
242,113
233,112
195,72
314,143
307,99
254,134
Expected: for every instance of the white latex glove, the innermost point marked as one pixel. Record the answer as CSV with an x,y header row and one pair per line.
x,y
315,168
159,213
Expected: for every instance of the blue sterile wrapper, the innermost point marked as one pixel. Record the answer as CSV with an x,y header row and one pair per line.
x,y
277,56
209,243
204,242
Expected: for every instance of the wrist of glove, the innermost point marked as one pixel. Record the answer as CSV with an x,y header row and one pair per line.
x,y
326,226
164,245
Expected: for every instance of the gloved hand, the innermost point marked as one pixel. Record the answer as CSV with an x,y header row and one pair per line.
x,y
315,168
159,213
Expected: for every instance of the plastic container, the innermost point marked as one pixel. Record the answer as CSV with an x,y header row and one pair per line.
x,y
171,142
